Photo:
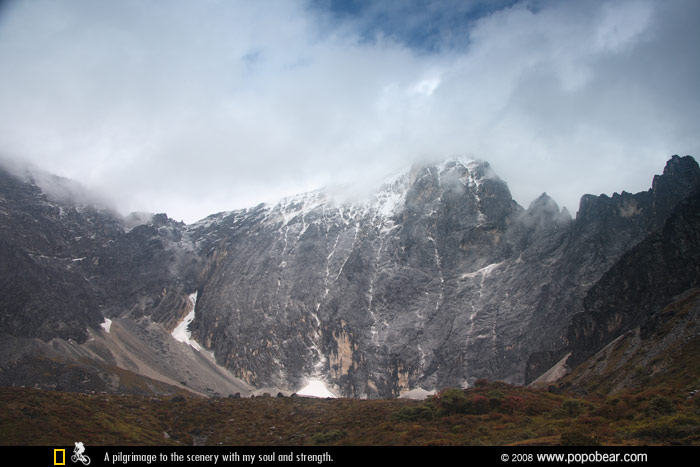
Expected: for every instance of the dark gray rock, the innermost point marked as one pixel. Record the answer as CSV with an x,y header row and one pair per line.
x,y
437,280
450,282
643,281
65,266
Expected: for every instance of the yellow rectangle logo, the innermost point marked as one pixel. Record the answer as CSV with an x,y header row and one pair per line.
x,y
59,453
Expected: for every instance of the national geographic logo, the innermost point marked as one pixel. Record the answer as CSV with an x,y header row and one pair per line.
x,y
59,457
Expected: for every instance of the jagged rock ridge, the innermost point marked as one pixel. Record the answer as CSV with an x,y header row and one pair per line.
x,y
639,323
439,279
65,266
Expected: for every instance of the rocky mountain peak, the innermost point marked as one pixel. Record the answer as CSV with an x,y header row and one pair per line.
x,y
677,165
679,176
544,212
436,278
465,171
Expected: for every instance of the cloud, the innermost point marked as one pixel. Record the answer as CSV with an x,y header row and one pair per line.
x,y
197,107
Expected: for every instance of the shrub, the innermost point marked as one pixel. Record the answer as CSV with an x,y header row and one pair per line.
x,y
511,404
536,406
452,401
615,409
457,428
576,438
571,407
480,405
412,414
669,428
328,436
495,398
659,406
439,442
590,420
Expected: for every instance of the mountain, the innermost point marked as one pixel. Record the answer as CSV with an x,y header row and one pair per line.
x,y
66,267
639,324
648,275
437,279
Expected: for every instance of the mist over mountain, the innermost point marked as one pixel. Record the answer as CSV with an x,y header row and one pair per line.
x,y
223,106
436,279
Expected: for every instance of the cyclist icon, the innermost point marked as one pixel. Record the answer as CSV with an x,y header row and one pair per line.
x,y
78,454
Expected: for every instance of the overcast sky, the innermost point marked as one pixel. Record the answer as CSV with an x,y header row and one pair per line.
x,y
194,107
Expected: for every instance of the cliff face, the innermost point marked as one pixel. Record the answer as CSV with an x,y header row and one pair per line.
x,y
438,279
644,280
605,225
639,324
42,245
65,266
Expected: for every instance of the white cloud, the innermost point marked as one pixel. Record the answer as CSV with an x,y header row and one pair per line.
x,y
199,107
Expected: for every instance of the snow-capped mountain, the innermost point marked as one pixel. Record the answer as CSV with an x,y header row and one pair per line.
x,y
437,278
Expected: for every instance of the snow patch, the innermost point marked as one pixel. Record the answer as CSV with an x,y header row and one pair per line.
x,y
383,203
211,220
391,196
419,394
107,325
291,207
181,332
486,270
315,388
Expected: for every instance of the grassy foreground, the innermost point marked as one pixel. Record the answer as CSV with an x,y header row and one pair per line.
x,y
488,414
